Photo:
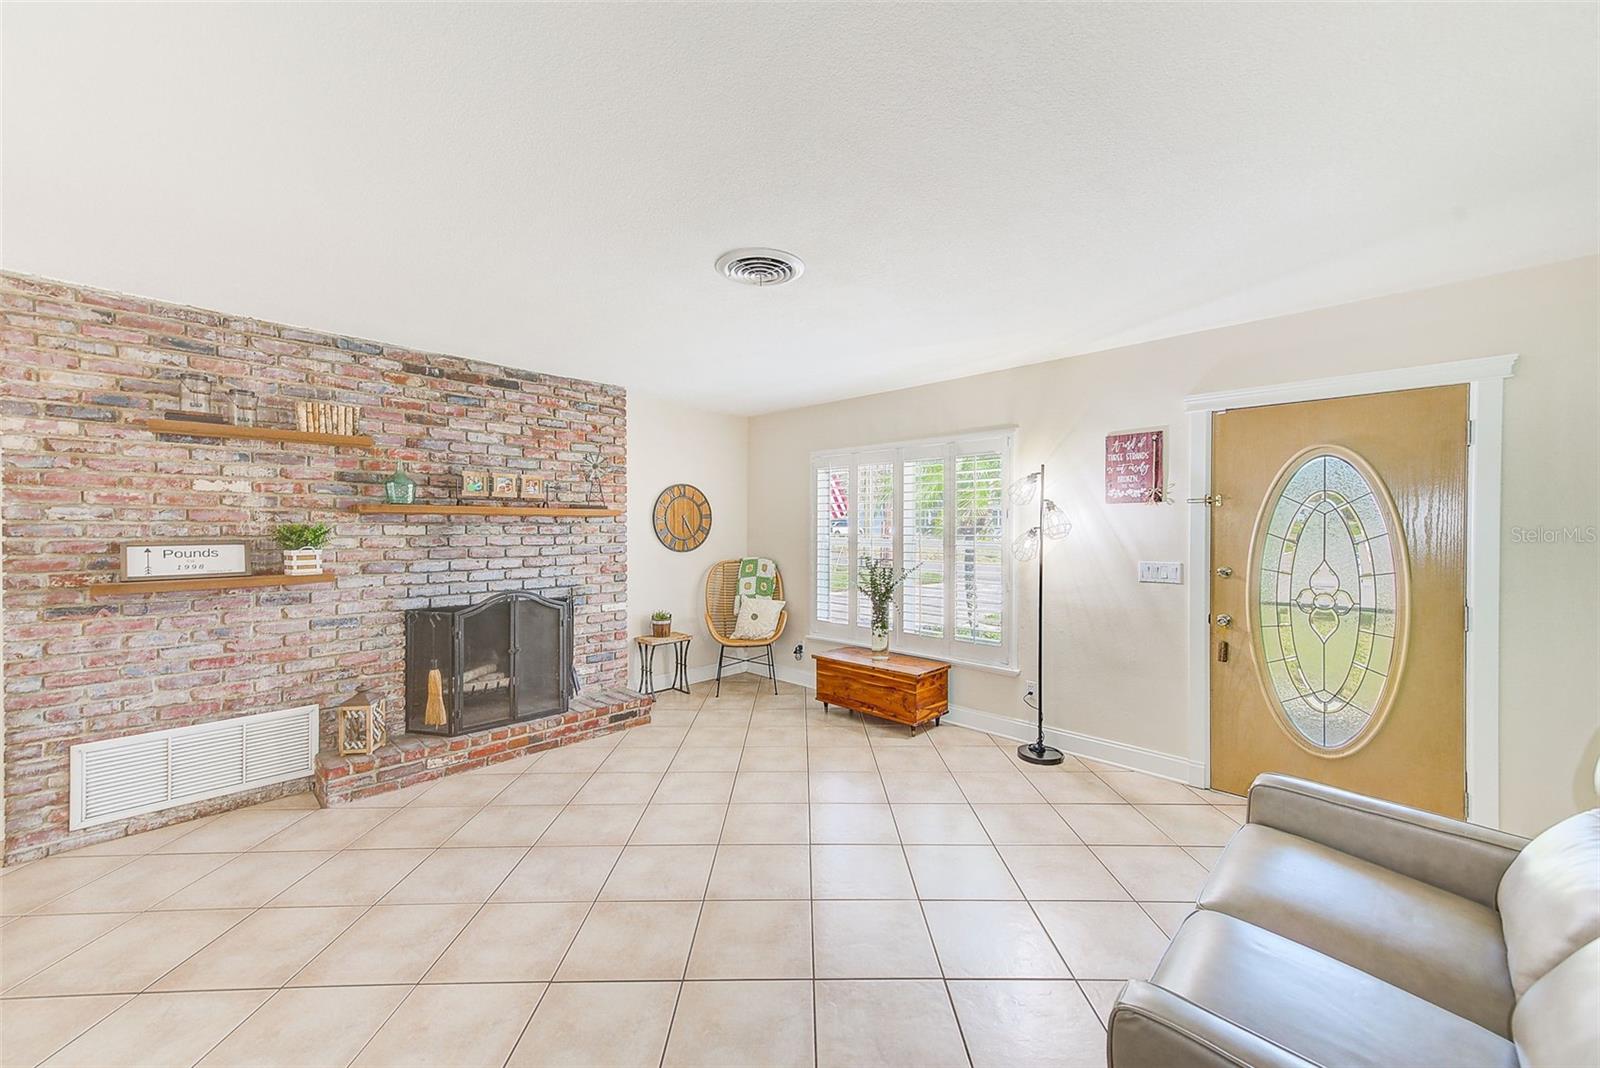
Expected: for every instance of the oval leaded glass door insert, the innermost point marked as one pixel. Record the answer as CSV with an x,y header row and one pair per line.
x,y
1330,599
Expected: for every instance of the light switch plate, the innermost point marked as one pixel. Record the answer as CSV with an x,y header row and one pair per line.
x,y
1167,571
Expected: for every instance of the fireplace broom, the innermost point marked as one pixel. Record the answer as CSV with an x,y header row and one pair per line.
x,y
434,716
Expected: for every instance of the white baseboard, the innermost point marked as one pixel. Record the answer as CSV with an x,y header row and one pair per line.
x,y
793,674
703,673
1133,757
697,673
798,674
707,672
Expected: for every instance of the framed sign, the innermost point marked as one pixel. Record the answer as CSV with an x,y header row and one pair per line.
x,y
184,558
1133,467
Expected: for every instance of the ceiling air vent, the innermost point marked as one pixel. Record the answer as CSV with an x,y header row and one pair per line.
x,y
760,266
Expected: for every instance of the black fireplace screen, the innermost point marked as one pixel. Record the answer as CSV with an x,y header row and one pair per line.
x,y
504,659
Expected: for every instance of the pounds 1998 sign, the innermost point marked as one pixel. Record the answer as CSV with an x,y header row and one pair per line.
x,y
184,559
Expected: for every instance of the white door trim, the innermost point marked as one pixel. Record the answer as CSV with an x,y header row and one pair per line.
x,y
1485,378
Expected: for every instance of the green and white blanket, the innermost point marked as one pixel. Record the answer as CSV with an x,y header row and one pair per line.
x,y
758,577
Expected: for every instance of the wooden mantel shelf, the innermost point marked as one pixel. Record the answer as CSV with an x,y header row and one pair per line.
x,y
198,429
231,582
556,512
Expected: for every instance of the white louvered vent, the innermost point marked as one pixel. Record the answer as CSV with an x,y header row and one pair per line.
x,y
760,266
122,777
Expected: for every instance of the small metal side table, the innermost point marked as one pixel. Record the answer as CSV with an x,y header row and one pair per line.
x,y
648,644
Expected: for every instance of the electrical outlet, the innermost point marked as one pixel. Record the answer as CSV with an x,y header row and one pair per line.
x,y
1030,689
799,650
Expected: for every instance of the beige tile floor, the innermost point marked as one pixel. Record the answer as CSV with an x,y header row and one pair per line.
x,y
749,880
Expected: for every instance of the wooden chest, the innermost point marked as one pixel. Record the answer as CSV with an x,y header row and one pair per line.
x,y
905,689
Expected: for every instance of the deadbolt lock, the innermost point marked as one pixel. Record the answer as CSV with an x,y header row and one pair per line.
x,y
1224,572
1224,620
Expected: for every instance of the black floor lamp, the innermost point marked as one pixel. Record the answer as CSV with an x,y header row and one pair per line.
x,y
1053,525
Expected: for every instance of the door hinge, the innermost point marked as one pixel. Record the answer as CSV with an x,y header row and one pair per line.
x,y
1471,431
1210,500
1468,617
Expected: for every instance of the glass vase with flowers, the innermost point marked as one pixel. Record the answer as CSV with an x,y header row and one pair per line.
x,y
880,580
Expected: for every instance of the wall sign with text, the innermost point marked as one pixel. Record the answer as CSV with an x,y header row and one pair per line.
x,y
205,558
1133,467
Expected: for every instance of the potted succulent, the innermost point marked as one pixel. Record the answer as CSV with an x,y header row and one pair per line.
x,y
302,546
880,580
660,624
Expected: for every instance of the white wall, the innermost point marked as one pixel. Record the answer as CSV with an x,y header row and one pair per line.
x,y
1116,661
669,442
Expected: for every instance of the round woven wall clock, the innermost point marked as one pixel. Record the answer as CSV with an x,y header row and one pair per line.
x,y
682,517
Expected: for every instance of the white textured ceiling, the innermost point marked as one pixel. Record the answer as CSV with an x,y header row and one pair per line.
x,y
971,187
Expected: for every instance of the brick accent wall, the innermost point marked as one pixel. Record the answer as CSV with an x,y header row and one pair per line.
x,y
83,368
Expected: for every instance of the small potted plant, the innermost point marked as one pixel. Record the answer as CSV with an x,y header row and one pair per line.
x,y
660,624
302,546
880,580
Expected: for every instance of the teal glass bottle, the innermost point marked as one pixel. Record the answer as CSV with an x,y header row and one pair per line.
x,y
400,489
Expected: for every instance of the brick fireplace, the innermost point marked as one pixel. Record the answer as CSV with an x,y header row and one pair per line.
x,y
84,370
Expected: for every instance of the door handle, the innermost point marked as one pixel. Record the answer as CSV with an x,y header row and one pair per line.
x,y
1224,620
1224,572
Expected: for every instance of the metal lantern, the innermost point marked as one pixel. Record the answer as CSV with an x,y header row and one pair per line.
x,y
361,726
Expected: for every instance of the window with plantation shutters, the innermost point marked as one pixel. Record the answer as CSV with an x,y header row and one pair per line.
x,y
922,546
834,567
875,521
979,563
936,507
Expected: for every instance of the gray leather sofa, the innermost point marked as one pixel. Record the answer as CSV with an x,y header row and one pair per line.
x,y
1339,930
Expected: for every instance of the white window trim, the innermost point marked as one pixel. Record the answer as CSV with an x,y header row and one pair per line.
x,y
1004,658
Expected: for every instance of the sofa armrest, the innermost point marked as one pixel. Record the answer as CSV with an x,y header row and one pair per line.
x,y
1151,1027
1453,855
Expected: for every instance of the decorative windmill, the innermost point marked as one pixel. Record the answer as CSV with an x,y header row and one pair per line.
x,y
595,470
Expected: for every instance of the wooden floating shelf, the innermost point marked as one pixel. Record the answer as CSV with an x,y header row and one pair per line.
x,y
230,582
554,512
256,433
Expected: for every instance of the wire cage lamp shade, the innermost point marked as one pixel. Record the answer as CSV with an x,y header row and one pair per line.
x,y
1026,545
1056,524
1053,524
1023,489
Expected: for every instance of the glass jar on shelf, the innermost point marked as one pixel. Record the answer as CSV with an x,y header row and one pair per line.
x,y
401,488
242,407
194,394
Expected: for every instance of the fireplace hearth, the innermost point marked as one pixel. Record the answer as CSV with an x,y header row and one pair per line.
x,y
506,659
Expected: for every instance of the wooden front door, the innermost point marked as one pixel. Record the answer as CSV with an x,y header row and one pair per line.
x,y
1338,595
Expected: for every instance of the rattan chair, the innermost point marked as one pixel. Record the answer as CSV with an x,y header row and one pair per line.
x,y
722,588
